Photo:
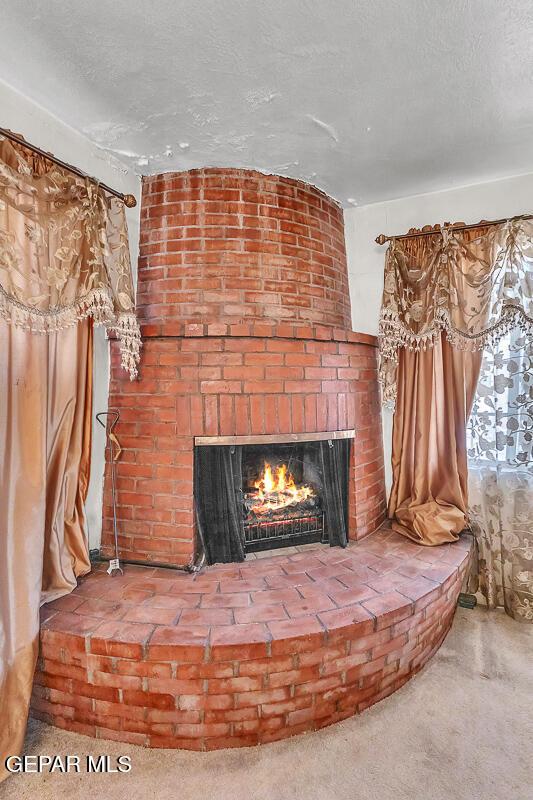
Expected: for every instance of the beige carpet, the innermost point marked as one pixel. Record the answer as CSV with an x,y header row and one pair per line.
x,y
461,730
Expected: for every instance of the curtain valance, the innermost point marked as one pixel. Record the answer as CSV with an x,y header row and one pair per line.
x,y
475,285
64,252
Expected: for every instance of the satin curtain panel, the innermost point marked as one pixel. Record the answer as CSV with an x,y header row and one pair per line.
x,y
436,388
45,437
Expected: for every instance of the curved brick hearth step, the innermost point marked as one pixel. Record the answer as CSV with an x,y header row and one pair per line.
x,y
247,653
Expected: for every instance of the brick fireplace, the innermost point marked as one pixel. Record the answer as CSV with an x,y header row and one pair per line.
x,y
244,302
248,358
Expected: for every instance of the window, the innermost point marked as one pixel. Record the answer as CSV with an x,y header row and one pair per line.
x,y
500,428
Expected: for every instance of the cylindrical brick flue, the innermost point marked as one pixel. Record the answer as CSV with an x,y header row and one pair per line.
x,y
231,245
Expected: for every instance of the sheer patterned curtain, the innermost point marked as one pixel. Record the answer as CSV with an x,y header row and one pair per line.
x,y
500,456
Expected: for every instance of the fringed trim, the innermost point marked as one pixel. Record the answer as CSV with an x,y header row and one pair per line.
x,y
97,304
388,395
393,335
129,335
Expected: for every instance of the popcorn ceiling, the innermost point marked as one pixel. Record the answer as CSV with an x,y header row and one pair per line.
x,y
374,100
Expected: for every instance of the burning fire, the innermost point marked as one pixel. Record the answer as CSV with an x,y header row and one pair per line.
x,y
278,490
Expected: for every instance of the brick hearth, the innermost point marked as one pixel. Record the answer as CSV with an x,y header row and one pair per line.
x,y
243,294
245,653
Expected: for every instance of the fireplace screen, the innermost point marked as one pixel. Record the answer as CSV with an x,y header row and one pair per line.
x,y
263,496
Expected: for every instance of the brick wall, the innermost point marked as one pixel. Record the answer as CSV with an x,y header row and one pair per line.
x,y
233,386
222,245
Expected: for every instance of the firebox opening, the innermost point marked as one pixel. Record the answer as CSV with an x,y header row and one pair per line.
x,y
282,496
262,496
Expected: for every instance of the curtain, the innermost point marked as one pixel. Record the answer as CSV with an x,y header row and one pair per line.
x,y
335,459
64,252
219,510
500,452
64,265
429,496
45,416
475,285
446,295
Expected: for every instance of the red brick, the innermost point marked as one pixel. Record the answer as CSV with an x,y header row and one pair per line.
x,y
180,643
247,699
143,669
296,635
264,666
122,639
347,622
260,613
244,642
233,685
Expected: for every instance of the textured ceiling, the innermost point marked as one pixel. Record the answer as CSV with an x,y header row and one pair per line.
x,y
368,99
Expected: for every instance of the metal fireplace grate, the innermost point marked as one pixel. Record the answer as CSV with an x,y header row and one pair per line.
x,y
272,533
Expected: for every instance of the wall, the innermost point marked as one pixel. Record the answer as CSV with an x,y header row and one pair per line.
x,y
469,204
39,127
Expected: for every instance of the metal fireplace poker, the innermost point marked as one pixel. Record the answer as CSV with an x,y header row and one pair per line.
x,y
112,442
195,565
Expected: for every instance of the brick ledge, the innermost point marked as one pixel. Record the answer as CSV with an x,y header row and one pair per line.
x,y
257,330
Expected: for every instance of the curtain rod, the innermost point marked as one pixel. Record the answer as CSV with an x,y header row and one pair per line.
x,y
128,199
381,239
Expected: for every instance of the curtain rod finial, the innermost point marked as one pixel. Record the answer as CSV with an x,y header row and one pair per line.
x,y
130,201
381,239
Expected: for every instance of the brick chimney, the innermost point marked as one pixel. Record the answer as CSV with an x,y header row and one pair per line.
x,y
244,303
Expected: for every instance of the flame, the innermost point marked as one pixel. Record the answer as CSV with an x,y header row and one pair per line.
x,y
278,490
